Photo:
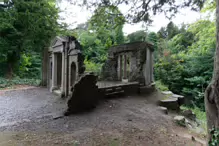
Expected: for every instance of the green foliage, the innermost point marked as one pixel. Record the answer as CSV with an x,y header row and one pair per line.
x,y
169,31
93,67
215,137
8,83
186,65
142,10
103,30
30,66
137,36
26,25
200,115
161,86
210,5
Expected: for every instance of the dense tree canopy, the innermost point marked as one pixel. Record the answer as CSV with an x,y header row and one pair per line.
x,y
101,31
26,25
143,10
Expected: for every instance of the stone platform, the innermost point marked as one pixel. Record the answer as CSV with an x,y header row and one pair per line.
x,y
111,88
109,84
114,88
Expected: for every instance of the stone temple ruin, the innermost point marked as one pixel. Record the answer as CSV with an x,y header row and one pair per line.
x,y
131,62
128,69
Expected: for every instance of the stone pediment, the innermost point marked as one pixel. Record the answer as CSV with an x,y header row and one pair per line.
x,y
58,41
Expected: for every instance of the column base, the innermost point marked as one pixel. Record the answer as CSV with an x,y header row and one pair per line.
x,y
125,80
53,88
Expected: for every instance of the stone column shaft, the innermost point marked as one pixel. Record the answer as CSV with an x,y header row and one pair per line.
x,y
125,66
121,66
63,73
54,71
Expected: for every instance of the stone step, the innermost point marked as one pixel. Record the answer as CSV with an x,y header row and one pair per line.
x,y
109,90
170,103
118,88
163,110
116,93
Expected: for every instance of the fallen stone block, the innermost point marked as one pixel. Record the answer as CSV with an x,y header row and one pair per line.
x,y
181,99
170,103
85,95
189,114
167,92
163,110
180,120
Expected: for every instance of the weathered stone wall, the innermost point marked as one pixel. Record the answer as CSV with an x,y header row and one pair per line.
x,y
139,59
109,70
140,63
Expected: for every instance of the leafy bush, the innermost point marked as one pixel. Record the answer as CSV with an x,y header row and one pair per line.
x,y
186,65
93,67
5,83
215,137
30,66
161,86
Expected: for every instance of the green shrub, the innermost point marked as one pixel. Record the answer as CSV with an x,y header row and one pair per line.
x,y
6,83
215,137
161,86
30,66
93,67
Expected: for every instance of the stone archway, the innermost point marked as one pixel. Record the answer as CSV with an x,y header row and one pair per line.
x,y
72,74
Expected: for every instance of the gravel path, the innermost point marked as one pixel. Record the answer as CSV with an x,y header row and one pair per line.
x,y
27,119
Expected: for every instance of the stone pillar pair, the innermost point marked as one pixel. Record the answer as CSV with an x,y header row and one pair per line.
x,y
54,72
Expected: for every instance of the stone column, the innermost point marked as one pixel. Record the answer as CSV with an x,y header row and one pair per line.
x,y
130,63
148,68
121,66
66,68
63,74
118,67
125,66
54,71
152,66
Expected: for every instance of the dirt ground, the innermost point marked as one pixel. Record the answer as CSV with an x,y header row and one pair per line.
x,y
27,119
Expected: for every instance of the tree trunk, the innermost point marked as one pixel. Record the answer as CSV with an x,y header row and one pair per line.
x,y
212,91
44,66
12,60
9,74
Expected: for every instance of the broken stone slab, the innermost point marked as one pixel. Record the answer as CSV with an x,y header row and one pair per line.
x,y
183,121
181,99
189,114
167,92
170,103
163,109
177,96
180,120
85,95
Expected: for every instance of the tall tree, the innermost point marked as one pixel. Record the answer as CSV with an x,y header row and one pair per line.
x,y
108,20
212,91
25,25
139,35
